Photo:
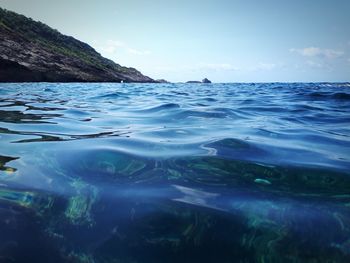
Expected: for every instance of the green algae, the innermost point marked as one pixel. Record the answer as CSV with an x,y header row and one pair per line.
x,y
292,181
133,167
173,174
248,231
111,164
79,206
262,181
80,257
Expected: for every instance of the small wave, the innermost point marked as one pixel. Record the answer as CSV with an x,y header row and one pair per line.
x,y
341,96
162,107
147,173
330,95
113,95
209,99
238,149
258,109
248,101
201,114
305,108
317,94
180,93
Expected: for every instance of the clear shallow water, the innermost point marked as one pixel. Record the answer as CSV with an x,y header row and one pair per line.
x,y
175,172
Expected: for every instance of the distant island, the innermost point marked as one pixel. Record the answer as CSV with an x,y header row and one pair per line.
x,y
31,51
205,80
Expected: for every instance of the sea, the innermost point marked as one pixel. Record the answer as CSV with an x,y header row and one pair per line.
x,y
157,173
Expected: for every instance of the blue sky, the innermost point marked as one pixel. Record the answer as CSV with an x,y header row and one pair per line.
x,y
224,40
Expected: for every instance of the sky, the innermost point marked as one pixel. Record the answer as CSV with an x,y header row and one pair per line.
x,y
223,40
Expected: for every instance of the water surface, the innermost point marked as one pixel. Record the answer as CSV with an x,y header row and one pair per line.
x,y
175,172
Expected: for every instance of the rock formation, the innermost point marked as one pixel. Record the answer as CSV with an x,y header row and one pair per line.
x,y
32,51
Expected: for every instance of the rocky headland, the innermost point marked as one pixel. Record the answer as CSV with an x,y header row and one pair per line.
x,y
31,51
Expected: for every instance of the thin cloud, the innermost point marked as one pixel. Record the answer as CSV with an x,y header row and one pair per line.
x,y
112,46
262,66
217,66
317,52
315,64
200,67
138,52
266,66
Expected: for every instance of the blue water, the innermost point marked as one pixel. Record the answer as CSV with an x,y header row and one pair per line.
x,y
175,172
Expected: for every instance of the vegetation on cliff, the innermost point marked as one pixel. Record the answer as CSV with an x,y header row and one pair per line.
x,y
33,51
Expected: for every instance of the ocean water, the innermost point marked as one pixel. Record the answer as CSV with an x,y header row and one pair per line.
x,y
155,173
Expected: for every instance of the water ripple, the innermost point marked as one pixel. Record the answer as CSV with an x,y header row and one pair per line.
x,y
106,172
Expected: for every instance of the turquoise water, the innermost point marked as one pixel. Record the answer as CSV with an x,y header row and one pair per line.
x,y
175,172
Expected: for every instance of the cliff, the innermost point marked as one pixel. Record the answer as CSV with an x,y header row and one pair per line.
x,y
32,51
